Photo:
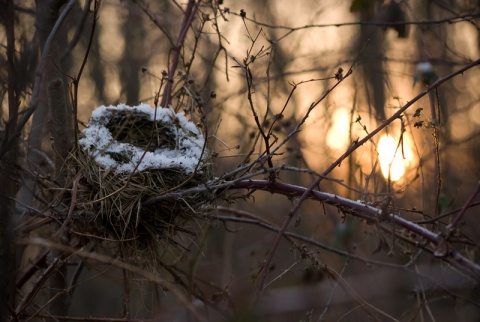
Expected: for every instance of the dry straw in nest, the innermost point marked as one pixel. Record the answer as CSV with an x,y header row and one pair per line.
x,y
128,155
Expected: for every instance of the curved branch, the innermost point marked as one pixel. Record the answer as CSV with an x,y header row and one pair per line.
x,y
369,213
434,243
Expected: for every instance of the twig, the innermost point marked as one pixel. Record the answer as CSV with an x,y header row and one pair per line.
x,y
266,137
40,262
152,17
450,20
76,81
73,204
359,143
332,293
450,228
268,259
310,241
370,213
126,296
76,37
397,114
190,12
38,285
354,208
436,218
285,271
117,263
249,218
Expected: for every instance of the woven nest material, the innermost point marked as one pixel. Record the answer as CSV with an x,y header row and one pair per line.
x,y
127,155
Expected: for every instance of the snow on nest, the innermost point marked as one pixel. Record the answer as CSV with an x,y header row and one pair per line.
x,y
98,142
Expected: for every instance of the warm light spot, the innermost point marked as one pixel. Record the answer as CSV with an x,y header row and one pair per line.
x,y
112,41
112,88
465,38
474,114
461,126
392,160
337,136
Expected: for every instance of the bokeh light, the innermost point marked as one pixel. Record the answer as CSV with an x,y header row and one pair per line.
x,y
338,135
393,161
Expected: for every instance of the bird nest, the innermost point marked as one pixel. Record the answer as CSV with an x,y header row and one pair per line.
x,y
126,156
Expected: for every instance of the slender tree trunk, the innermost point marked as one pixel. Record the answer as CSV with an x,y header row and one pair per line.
x,y
52,114
8,175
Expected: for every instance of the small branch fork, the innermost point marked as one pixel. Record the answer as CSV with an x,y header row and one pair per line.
x,y
450,228
190,13
268,259
266,137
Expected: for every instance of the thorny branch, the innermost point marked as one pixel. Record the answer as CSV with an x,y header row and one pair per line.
x,y
371,214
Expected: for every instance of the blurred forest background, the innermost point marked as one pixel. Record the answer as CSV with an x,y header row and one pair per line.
x,y
360,61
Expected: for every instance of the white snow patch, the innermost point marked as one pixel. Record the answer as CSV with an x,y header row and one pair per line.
x,y
98,142
424,67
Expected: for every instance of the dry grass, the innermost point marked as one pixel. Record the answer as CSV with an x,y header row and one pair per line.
x,y
109,204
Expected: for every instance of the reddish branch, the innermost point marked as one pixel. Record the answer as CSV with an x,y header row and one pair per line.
x,y
458,217
430,240
190,12
76,81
